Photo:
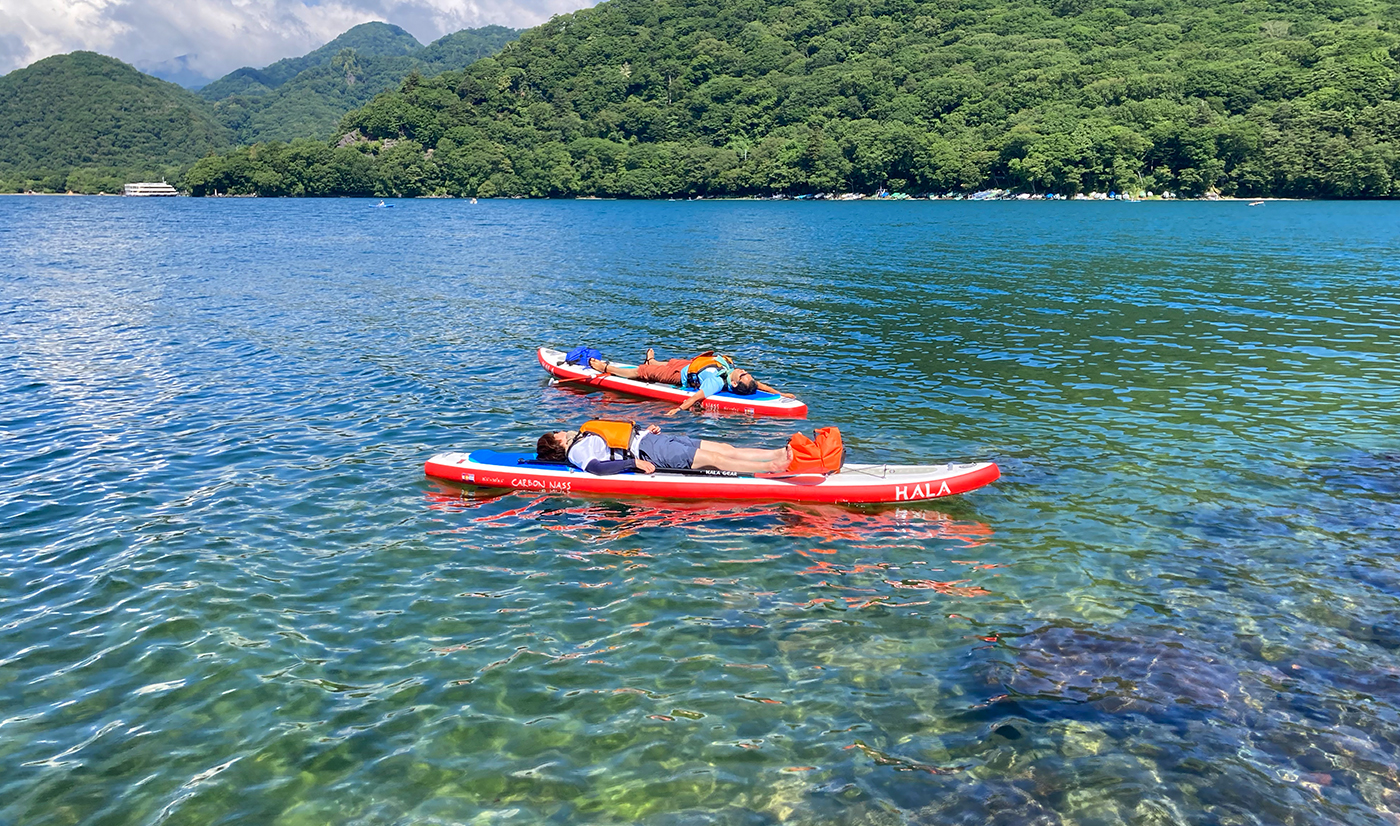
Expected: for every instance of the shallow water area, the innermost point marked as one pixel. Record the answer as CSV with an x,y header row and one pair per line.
x,y
228,593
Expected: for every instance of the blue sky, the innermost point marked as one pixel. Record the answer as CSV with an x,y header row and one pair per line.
x,y
221,35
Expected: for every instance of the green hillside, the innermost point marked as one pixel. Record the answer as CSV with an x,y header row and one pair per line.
x,y
87,122
90,123
459,49
367,39
306,96
649,98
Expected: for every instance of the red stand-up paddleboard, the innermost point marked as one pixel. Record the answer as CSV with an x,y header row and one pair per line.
x,y
853,484
758,404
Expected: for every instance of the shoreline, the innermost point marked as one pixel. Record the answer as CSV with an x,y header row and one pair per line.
x,y
837,199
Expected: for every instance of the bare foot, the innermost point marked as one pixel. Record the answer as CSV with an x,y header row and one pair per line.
x,y
599,365
781,465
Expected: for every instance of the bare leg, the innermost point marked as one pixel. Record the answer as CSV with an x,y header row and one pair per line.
x,y
742,460
614,369
750,454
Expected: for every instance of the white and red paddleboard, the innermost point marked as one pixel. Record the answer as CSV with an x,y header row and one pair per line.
x,y
853,484
758,404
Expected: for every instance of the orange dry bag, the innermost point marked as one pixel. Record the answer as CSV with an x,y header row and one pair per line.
x,y
820,455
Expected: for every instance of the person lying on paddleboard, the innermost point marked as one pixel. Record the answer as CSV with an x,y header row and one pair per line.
x,y
706,374
603,448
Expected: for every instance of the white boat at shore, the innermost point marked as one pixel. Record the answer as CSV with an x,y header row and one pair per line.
x,y
149,190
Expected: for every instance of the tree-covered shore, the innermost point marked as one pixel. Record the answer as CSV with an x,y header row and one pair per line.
x,y
89,123
658,98
739,98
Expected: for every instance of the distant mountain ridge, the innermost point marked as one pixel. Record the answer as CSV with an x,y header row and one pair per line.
x,y
367,39
88,122
306,96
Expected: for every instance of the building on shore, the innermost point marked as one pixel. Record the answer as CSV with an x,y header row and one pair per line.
x,y
149,189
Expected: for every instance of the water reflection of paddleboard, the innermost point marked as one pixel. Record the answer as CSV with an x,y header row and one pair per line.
x,y
853,484
758,404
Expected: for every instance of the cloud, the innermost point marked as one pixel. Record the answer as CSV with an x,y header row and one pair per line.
x,y
217,36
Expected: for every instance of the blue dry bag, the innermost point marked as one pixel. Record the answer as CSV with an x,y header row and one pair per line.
x,y
581,355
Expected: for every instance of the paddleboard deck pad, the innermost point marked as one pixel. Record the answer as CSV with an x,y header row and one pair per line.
x,y
758,404
853,484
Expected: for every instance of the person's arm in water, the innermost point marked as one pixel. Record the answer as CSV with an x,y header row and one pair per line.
x,y
696,397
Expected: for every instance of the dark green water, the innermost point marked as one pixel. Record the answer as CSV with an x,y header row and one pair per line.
x,y
228,595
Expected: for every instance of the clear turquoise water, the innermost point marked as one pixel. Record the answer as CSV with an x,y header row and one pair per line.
x,y
228,594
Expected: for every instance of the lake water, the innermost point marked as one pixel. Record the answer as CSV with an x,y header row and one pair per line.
x,y
229,595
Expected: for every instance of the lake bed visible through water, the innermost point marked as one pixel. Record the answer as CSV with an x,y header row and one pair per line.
x,y
229,595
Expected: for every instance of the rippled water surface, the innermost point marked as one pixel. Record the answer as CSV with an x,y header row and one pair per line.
x,y
229,595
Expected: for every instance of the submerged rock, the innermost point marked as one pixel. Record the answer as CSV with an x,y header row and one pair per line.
x,y
989,803
1163,675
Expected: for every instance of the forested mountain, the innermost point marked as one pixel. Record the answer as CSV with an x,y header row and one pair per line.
x,y
90,123
367,39
100,117
650,98
460,49
306,96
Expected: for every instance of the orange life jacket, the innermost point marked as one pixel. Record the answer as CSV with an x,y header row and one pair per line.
x,y
617,434
704,361
822,455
